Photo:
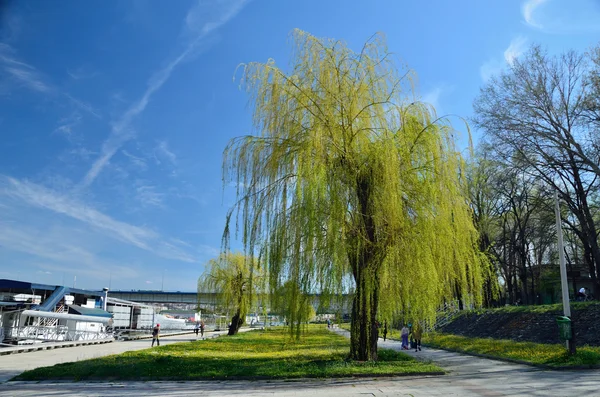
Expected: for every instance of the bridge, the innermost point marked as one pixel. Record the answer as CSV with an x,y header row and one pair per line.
x,y
151,296
204,299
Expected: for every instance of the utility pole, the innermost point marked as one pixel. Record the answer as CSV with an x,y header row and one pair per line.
x,y
563,273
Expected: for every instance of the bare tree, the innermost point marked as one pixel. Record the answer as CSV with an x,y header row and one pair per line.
x,y
539,113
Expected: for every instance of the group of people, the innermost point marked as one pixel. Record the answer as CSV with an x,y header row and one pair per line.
x,y
414,331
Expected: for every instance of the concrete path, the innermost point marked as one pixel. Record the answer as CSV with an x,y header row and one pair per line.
x,y
468,376
455,363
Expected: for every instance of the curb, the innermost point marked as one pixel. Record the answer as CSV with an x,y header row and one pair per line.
x,y
229,378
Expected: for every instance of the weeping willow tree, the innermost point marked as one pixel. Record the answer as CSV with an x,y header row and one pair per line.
x,y
348,177
296,306
236,280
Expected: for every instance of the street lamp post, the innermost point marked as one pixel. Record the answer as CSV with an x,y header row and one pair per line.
x,y
563,272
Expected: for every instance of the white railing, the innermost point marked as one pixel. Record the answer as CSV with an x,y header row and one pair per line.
x,y
53,322
446,314
59,333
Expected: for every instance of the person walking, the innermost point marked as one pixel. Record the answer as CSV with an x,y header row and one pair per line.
x,y
197,329
384,330
202,328
404,334
416,335
155,337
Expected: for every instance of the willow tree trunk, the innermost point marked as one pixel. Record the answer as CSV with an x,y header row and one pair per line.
x,y
236,323
364,332
365,268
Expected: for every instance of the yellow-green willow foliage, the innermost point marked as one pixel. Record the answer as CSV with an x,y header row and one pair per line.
x,y
347,175
289,301
237,280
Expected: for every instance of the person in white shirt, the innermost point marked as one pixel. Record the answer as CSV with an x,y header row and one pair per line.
x,y
581,295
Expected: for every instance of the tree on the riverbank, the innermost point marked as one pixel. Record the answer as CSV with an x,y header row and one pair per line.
x,y
351,181
236,279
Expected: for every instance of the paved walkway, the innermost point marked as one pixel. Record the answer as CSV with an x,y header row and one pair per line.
x,y
455,363
468,376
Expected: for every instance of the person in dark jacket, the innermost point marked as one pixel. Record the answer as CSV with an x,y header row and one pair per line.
x,y
155,337
385,330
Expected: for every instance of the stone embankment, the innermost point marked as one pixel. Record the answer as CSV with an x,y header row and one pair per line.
x,y
527,326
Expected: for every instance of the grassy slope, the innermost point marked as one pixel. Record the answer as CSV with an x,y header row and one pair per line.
x,y
534,353
557,307
553,355
251,355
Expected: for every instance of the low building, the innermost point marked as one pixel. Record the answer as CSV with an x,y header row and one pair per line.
x,y
35,313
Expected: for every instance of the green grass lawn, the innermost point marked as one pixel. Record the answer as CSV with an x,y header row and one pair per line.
x,y
250,355
534,353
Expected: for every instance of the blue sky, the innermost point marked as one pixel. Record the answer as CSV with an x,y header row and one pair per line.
x,y
114,114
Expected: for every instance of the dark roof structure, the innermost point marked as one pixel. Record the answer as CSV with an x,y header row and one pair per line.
x,y
27,288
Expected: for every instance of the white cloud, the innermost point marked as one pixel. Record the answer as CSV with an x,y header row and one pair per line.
x,y
81,74
562,17
37,196
515,49
81,153
41,197
66,124
202,19
494,66
162,151
83,106
29,77
208,250
21,72
137,161
207,16
434,95
149,197
528,9
59,253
